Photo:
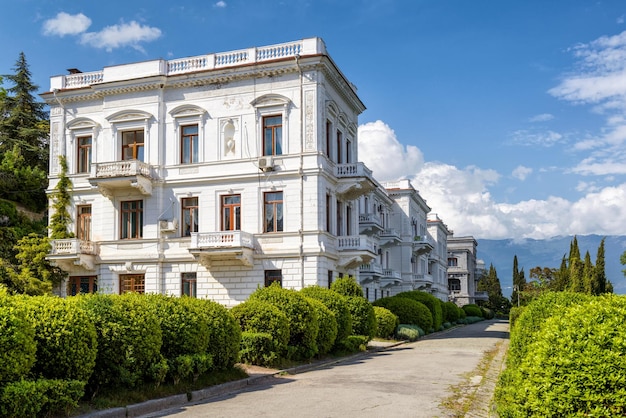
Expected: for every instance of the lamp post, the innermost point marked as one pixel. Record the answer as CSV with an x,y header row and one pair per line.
x,y
516,288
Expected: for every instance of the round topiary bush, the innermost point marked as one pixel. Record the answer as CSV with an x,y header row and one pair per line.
x,y
450,312
17,340
387,322
472,310
462,314
337,304
261,317
63,334
224,333
347,286
302,318
129,338
487,313
183,325
328,326
363,316
409,311
575,364
432,303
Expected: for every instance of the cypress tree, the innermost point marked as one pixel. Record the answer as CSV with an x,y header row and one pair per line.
x,y
599,284
588,274
61,219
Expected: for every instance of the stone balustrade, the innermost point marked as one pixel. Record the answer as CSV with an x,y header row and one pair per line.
x,y
125,168
221,239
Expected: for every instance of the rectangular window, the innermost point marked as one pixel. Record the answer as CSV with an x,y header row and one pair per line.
x,y
452,262
84,154
339,147
328,212
189,215
339,218
82,284
231,213
330,278
273,276
273,203
348,151
189,144
83,223
132,145
348,219
189,285
329,130
131,222
132,283
272,135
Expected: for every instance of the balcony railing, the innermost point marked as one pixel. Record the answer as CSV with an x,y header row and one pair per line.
x,y
355,243
221,239
372,268
124,168
369,223
391,274
72,246
350,170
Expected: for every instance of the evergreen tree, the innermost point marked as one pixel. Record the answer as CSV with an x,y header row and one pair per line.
x,y
562,279
598,284
577,283
516,287
23,121
61,219
490,283
574,252
589,271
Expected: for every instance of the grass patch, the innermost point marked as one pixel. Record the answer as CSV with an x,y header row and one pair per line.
x,y
113,398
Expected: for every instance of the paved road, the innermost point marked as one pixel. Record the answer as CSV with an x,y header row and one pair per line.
x,y
408,380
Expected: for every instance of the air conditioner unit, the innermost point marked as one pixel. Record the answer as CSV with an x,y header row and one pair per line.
x,y
168,225
266,163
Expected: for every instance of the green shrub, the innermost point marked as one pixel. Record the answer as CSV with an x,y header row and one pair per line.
x,y
260,317
17,341
575,364
533,317
353,344
472,319
183,325
302,318
409,332
447,325
472,310
189,366
450,312
514,314
409,311
347,286
336,303
462,313
259,348
65,338
387,322
327,326
129,338
487,313
42,397
432,303
363,316
224,334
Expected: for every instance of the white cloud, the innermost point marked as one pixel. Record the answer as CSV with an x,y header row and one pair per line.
x,y
520,172
220,4
543,117
385,155
125,34
534,138
66,24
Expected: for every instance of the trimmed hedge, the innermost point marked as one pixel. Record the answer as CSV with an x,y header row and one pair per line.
x,y
387,322
328,326
17,341
409,332
336,303
363,316
408,310
432,303
574,366
472,310
129,339
257,317
65,338
224,334
259,348
450,312
302,318
40,398
347,286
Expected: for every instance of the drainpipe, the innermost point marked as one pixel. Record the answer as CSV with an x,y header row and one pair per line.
x,y
301,172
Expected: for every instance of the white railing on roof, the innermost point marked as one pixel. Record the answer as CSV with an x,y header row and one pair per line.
x,y
83,79
185,65
278,51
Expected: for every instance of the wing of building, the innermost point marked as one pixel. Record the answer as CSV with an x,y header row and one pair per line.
x,y
214,175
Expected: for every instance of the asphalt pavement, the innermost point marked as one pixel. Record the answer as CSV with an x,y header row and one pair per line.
x,y
417,379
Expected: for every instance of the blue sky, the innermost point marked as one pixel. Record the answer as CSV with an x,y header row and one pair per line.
x,y
509,117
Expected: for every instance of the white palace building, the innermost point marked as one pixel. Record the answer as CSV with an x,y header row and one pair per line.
x,y
213,175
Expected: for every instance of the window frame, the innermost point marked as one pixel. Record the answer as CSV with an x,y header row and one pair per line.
x,y
190,209
194,144
453,262
272,129
135,146
83,154
92,283
191,278
83,222
277,209
137,283
138,212
234,212
273,276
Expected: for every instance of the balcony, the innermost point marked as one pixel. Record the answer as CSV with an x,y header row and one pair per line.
x,y
422,245
370,224
208,247
389,237
117,175
370,272
355,250
390,278
354,180
72,252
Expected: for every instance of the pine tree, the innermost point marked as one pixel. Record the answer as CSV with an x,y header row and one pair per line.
x,y
574,252
61,219
23,121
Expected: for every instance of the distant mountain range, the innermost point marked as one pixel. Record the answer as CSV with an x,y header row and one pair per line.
x,y
548,253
